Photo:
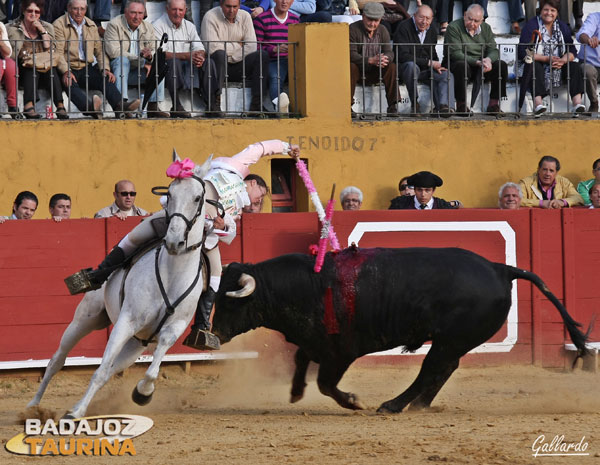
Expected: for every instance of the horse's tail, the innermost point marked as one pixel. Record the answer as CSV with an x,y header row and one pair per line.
x,y
578,338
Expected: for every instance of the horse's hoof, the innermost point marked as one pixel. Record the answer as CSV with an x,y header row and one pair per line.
x,y
68,416
140,398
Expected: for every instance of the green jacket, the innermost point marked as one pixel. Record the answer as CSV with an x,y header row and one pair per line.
x,y
459,40
584,190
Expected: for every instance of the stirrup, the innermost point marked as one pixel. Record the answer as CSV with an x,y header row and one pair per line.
x,y
200,339
80,282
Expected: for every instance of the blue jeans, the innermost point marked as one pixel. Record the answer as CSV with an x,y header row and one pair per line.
x,y
276,85
102,10
121,68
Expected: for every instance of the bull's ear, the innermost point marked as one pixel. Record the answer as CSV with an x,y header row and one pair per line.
x,y
201,171
175,156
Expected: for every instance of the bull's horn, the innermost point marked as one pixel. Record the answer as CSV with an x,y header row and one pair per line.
x,y
248,283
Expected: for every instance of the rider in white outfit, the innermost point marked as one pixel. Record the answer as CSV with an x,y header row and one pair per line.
x,y
225,184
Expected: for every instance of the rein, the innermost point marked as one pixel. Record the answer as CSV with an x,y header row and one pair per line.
x,y
170,306
162,190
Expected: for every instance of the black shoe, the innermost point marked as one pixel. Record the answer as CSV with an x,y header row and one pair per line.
x,y
178,111
30,113
154,112
90,280
61,113
14,113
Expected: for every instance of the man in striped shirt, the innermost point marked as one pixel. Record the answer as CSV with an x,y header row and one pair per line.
x,y
272,30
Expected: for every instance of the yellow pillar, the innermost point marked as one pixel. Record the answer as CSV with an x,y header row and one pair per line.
x,y
322,59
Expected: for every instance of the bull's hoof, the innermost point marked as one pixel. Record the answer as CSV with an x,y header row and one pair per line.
x,y
140,398
388,407
355,403
295,398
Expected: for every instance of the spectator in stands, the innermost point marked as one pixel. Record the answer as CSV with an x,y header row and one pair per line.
x,y
515,16
510,196
584,186
83,64
24,207
272,28
129,43
594,194
472,33
405,188
8,72
54,9
241,60
255,7
553,57
547,189
421,63
589,54
312,11
32,39
123,206
351,198
345,11
60,207
186,55
371,52
425,184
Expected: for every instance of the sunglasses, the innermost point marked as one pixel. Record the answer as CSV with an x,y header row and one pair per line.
x,y
125,194
32,11
403,187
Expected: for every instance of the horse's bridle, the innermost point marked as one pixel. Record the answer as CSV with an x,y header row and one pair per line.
x,y
164,190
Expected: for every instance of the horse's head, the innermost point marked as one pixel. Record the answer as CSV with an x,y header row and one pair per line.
x,y
185,205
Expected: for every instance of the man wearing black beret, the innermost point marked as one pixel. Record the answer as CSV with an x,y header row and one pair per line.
x,y
425,183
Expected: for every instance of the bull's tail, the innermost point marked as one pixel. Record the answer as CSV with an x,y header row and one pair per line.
x,y
578,338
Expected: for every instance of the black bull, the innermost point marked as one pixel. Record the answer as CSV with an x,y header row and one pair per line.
x,y
370,300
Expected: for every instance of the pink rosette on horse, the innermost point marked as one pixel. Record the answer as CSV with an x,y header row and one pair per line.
x,y
181,169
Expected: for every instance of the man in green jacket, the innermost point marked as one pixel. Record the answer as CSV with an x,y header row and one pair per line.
x,y
471,40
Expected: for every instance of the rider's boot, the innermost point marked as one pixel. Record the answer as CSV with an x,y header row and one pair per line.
x,y
89,279
200,337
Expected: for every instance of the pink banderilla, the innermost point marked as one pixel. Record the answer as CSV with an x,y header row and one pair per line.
x,y
326,229
303,171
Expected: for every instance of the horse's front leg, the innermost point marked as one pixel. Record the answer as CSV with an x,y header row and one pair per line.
x,y
121,334
142,394
90,315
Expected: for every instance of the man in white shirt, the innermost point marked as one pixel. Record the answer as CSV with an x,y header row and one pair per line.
x,y
186,57
229,37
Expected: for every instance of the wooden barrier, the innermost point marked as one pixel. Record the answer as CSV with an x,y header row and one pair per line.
x,y
560,246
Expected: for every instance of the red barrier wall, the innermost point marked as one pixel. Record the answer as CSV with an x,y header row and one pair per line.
x,y
560,246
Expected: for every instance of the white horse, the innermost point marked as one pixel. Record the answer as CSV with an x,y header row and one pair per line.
x,y
138,306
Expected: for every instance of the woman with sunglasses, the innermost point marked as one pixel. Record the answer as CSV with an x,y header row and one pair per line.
x,y
33,48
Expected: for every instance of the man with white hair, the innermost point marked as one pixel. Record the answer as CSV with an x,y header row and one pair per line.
x,y
83,64
472,54
509,196
351,198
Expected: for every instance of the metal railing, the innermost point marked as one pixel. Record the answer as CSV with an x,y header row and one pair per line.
x,y
517,89
196,103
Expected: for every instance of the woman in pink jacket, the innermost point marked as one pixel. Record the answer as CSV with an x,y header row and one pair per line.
x,y
225,183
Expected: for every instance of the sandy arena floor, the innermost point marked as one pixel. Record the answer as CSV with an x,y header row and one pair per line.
x,y
238,413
